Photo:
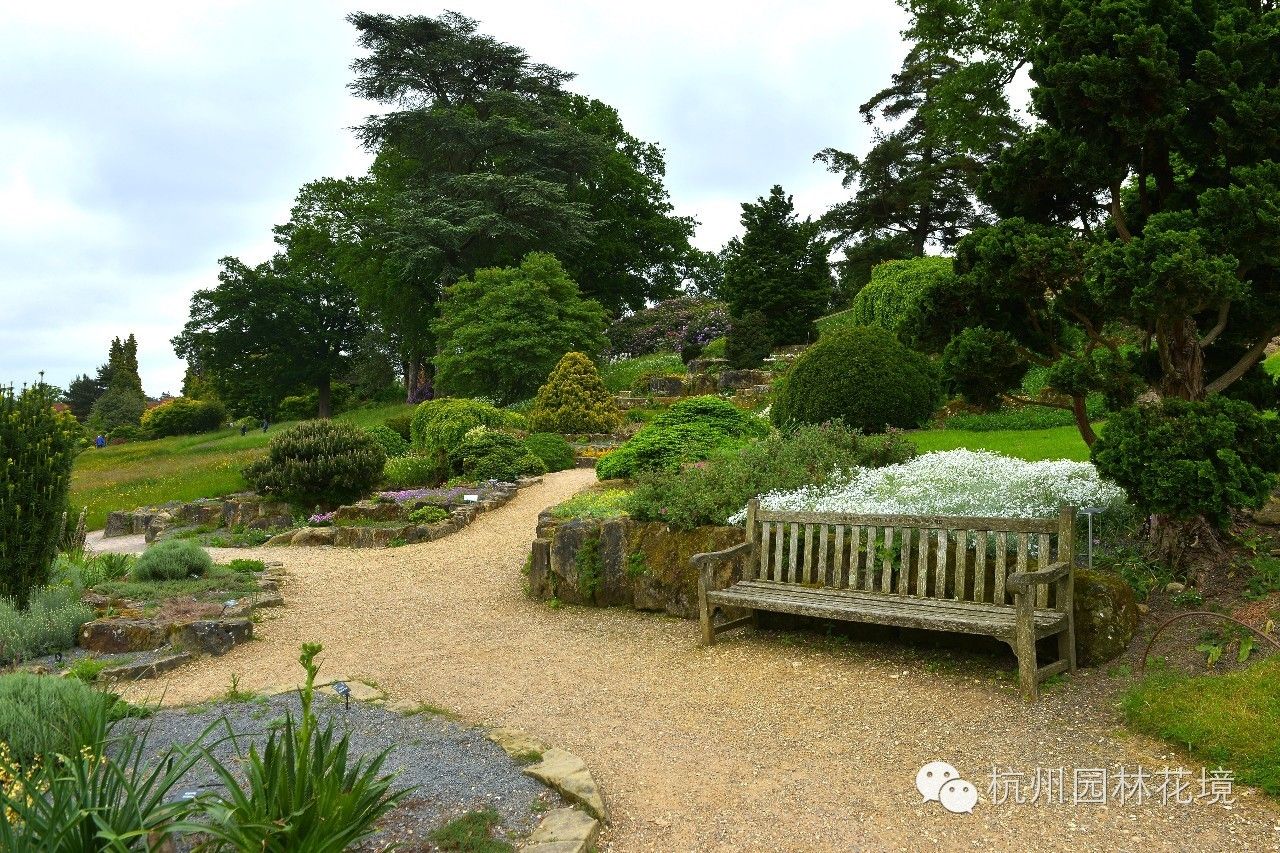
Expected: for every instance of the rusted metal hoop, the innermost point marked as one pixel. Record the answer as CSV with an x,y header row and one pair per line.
x,y
1166,623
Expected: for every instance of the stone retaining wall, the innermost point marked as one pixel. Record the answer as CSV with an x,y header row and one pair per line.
x,y
247,510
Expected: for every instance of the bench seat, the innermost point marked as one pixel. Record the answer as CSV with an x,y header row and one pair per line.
x,y
963,617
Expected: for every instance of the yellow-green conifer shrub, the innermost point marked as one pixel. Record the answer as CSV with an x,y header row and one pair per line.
x,y
574,399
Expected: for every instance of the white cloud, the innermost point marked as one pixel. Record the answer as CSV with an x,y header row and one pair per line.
x,y
141,141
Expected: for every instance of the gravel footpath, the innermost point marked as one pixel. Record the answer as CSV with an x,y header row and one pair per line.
x,y
454,769
767,741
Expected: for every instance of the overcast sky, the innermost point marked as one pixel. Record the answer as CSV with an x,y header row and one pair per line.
x,y
142,141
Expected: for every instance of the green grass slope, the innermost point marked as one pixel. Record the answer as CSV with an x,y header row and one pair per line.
x,y
181,468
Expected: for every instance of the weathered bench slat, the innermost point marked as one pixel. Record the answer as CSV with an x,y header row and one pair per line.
x,y
909,571
1013,525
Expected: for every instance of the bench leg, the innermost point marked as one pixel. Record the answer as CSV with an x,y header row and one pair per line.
x,y
704,614
1024,646
1067,648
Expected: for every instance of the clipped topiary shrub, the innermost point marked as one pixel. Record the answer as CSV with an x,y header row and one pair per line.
x,y
982,364
413,470
439,425
574,399
319,462
749,342
556,453
44,716
182,416
686,432
897,290
37,447
400,424
862,375
172,560
487,454
391,442
1187,460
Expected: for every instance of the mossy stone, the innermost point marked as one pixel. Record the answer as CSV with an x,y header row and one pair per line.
x,y
1106,616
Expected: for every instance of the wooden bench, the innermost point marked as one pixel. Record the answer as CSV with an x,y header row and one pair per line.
x,y
991,576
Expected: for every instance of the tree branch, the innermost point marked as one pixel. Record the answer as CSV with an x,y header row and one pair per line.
x,y
1241,367
1223,310
1031,401
1117,215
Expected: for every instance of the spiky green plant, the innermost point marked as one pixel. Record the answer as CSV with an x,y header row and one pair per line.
x,y
37,447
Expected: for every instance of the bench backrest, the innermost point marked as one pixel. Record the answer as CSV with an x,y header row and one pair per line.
x,y
933,557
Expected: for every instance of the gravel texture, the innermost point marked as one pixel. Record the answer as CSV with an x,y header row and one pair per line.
x,y
453,768
766,741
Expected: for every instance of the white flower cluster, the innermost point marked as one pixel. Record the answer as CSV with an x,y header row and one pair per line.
x,y
955,482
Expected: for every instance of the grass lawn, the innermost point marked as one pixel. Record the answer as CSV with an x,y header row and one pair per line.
x,y
181,468
1230,720
1272,365
621,375
1033,445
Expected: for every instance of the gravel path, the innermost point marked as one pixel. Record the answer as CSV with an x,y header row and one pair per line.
x,y
769,741
453,769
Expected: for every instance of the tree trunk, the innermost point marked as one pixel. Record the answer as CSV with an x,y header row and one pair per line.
x,y
1191,549
1082,420
1182,361
324,397
418,382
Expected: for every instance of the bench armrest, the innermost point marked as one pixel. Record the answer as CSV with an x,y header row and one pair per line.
x,y
1020,581
712,557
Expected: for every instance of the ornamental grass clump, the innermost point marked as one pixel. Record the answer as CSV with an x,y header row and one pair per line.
x,y
319,462
574,399
957,482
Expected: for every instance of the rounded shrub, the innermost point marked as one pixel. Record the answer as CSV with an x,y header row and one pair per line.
x,y
574,399
400,424
487,454
688,431
412,471
391,442
171,560
1186,460
863,376
982,364
43,715
183,416
897,292
716,348
556,453
319,462
439,425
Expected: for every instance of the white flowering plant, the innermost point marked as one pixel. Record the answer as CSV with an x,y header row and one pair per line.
x,y
955,482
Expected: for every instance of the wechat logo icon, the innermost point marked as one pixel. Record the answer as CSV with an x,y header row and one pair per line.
x,y
939,781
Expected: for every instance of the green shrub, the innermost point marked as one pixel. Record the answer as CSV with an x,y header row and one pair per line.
x,y
487,454
50,623
716,348
631,374
182,416
391,441
574,399
1023,418
246,567
665,327
687,431
439,425
400,424
298,408
412,471
892,299
428,514
37,447
1187,460
749,342
555,453
594,504
319,462
129,432
863,376
171,560
303,791
1230,720
710,492
43,715
118,406
982,365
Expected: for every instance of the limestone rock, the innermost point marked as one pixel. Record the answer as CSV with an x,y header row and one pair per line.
x,y
118,524
213,636
369,511
567,773
145,669
285,538
115,636
1269,514
314,536
563,831
1106,616
518,743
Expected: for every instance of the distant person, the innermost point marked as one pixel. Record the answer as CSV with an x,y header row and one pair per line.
x,y
244,430
100,442
265,424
